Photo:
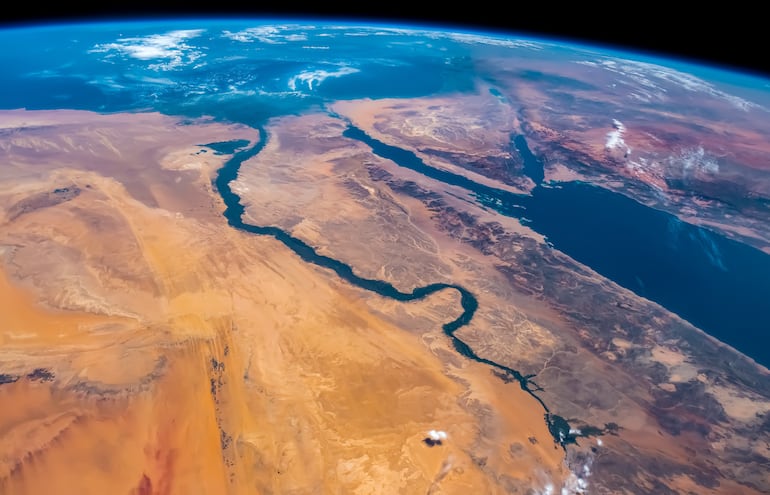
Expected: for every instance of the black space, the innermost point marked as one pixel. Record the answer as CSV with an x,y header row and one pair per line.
x,y
730,34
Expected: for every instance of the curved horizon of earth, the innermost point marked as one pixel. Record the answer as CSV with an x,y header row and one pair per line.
x,y
604,218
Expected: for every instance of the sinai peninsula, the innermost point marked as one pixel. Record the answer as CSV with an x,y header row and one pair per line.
x,y
255,257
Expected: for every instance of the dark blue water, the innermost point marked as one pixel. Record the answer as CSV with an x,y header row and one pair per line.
x,y
720,285
411,77
227,147
532,166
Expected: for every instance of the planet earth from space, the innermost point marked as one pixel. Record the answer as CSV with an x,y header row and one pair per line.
x,y
265,257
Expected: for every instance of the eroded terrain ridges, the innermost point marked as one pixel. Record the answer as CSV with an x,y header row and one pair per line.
x,y
599,372
234,211
663,137
714,282
156,349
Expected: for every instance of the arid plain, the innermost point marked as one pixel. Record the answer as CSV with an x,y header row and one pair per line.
x,y
657,405
147,347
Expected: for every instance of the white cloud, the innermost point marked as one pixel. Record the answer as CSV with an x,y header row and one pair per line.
x,y
649,76
575,484
315,77
459,36
494,41
615,138
273,35
437,435
169,49
694,160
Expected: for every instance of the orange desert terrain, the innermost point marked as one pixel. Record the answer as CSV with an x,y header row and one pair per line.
x,y
146,347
